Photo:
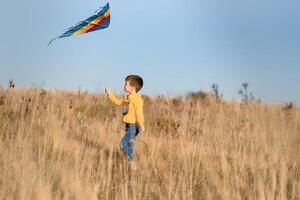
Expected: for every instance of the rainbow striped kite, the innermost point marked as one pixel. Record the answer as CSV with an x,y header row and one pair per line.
x,y
96,22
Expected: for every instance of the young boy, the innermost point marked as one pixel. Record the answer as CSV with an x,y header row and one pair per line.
x,y
133,116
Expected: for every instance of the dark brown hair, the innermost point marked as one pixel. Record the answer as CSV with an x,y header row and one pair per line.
x,y
136,81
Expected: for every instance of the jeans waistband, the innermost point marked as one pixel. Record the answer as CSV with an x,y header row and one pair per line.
x,y
130,124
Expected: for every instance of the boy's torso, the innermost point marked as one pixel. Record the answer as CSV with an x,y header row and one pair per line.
x,y
129,111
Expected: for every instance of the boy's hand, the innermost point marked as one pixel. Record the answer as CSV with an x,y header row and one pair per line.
x,y
107,91
142,129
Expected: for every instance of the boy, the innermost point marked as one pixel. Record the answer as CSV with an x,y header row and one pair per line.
x,y
133,116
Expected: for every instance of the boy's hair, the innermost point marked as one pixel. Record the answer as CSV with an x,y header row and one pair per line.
x,y
136,81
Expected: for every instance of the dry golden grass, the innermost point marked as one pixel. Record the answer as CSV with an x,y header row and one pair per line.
x,y
65,145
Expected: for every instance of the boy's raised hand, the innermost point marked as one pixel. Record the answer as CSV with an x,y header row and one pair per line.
x,y
107,91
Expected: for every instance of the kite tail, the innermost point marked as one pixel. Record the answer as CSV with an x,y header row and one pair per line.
x,y
51,41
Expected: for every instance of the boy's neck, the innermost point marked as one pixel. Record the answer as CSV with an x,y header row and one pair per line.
x,y
132,92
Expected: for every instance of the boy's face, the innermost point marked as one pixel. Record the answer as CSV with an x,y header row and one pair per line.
x,y
128,88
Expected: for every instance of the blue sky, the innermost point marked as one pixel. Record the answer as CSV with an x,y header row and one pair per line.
x,y
175,45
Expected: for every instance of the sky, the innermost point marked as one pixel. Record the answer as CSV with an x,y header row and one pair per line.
x,y
177,46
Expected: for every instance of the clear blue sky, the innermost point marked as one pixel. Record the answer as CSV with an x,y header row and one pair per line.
x,y
175,45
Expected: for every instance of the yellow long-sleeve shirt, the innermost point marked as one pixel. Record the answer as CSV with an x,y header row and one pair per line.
x,y
132,108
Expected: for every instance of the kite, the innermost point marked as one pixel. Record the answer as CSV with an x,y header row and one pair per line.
x,y
96,22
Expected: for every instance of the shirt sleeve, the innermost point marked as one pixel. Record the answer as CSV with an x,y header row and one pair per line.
x,y
115,100
139,111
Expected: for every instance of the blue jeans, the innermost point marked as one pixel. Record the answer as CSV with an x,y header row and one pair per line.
x,y
126,144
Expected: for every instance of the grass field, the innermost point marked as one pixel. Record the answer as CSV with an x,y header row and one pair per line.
x,y
65,145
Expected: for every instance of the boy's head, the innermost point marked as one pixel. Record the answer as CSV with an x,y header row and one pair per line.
x,y
133,83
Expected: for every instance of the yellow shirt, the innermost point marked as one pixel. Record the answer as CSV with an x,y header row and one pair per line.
x,y
132,108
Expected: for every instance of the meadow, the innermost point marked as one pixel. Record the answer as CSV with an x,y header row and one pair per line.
x,y
65,145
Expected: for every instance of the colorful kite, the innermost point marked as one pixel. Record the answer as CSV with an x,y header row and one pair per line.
x,y
96,22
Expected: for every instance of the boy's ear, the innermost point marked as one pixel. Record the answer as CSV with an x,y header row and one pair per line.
x,y
134,88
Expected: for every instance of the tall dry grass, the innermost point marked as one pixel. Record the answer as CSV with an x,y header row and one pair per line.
x,y
65,145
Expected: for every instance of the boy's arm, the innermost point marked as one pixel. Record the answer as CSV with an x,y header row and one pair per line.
x,y
112,98
139,112
115,100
